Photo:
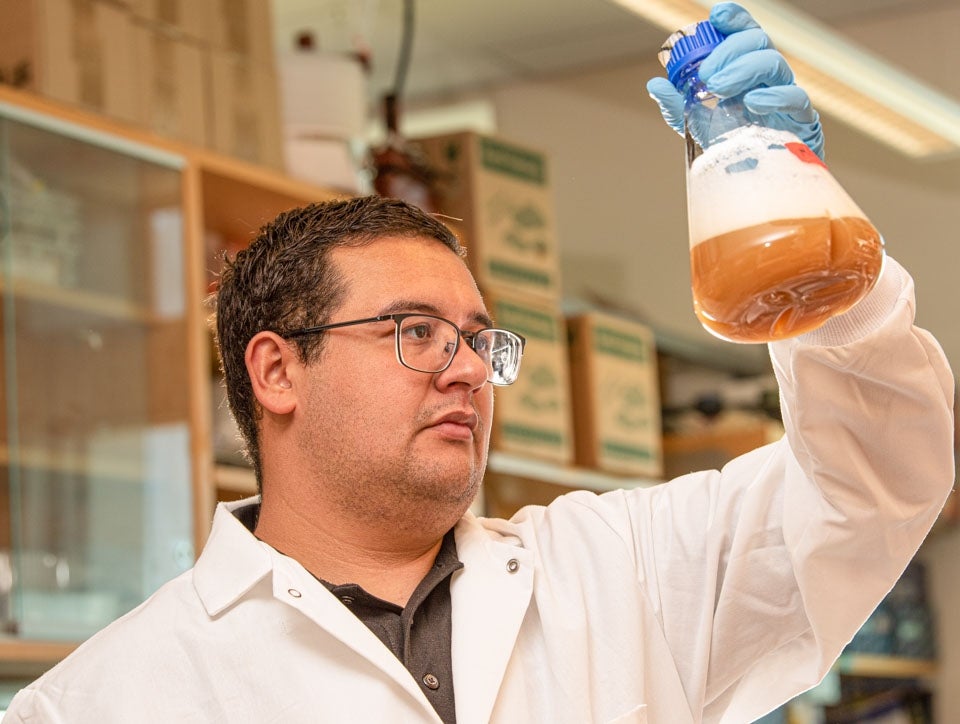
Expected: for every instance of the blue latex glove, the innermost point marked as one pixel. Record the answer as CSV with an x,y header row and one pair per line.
x,y
747,61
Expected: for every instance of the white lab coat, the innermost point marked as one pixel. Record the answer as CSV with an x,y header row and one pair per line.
x,y
713,598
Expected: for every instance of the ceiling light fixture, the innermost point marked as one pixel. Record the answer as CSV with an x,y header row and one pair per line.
x,y
842,79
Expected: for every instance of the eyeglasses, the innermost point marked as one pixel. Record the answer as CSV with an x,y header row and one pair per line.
x,y
426,343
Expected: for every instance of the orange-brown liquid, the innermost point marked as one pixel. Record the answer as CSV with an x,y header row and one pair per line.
x,y
784,277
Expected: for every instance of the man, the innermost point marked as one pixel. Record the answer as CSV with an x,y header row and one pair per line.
x,y
360,360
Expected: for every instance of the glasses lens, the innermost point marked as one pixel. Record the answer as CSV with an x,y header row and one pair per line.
x,y
426,344
501,350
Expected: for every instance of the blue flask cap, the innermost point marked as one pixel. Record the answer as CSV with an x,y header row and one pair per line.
x,y
687,47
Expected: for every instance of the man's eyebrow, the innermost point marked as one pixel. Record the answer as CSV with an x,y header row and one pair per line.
x,y
406,305
483,319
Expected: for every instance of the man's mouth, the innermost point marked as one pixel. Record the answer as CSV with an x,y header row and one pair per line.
x,y
460,424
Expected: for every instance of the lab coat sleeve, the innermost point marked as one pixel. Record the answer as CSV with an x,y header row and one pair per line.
x,y
763,572
31,706
874,440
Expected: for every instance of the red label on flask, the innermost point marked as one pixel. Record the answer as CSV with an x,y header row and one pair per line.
x,y
803,152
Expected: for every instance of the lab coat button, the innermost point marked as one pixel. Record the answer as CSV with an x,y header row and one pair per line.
x,y
294,592
513,565
431,681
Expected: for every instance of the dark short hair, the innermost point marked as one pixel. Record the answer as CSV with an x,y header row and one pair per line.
x,y
285,280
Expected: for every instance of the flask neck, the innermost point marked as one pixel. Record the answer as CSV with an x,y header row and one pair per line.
x,y
688,80
695,92
708,117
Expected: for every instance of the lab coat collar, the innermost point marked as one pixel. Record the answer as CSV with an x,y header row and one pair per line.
x,y
490,596
232,561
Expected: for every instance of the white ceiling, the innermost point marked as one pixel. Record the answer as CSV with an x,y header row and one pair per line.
x,y
463,45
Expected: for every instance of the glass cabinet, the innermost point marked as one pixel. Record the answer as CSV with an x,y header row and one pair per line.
x,y
95,441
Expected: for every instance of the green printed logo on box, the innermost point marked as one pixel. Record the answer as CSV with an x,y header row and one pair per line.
x,y
526,321
619,450
514,273
533,434
616,343
513,161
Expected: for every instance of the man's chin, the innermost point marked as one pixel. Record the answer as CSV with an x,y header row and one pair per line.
x,y
437,510
447,475
458,491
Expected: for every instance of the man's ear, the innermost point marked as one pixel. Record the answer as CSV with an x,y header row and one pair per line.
x,y
271,365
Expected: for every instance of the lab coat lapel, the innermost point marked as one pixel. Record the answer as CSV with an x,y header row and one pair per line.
x,y
490,596
297,588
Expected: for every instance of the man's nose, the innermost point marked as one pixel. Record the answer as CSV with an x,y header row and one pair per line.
x,y
466,367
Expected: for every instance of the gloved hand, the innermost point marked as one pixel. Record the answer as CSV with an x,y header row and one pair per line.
x,y
747,61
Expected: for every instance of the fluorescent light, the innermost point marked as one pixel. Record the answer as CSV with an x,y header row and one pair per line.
x,y
843,80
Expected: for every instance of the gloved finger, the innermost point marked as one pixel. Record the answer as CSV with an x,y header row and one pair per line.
x,y
791,100
731,18
731,49
669,100
788,108
757,69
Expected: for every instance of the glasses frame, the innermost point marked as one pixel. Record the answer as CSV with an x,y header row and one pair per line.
x,y
397,319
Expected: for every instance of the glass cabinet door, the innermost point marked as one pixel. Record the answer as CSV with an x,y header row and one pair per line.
x,y
95,502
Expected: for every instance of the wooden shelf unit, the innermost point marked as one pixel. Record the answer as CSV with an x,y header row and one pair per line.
x,y
219,199
885,667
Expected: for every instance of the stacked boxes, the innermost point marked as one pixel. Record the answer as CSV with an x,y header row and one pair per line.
x,y
202,71
244,110
76,51
244,98
591,399
616,395
171,88
189,18
500,200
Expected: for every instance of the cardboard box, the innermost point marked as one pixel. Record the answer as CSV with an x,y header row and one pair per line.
x,y
188,18
75,51
242,27
243,110
170,69
532,416
502,193
711,449
616,395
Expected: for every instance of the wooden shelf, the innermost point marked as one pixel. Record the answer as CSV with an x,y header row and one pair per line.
x,y
28,659
238,479
75,302
235,479
887,667
566,476
71,463
237,209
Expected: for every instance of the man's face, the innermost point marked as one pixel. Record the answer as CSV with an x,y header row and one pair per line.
x,y
383,440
